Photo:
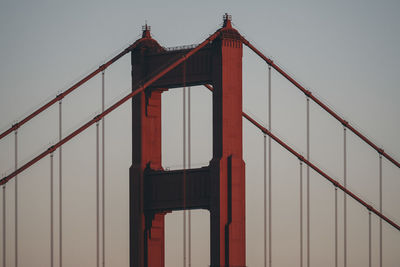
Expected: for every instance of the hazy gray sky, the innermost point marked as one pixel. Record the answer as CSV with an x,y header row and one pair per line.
x,y
346,52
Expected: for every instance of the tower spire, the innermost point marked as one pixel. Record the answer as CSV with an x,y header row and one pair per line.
x,y
227,20
146,31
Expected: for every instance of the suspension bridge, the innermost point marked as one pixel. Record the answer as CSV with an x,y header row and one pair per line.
x,y
219,187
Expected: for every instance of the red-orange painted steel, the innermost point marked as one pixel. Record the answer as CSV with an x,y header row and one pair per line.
x,y
319,102
227,212
66,92
302,158
323,174
146,228
221,64
227,169
108,110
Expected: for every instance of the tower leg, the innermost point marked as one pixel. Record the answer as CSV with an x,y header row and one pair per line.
x,y
227,214
156,242
136,219
146,230
228,242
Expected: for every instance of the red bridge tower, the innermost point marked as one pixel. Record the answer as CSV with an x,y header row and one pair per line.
x,y
219,187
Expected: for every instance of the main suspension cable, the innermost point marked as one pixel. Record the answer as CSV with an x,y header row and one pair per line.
x,y
322,173
139,89
68,91
322,105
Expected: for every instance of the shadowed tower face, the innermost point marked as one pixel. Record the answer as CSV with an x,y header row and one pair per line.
x,y
219,187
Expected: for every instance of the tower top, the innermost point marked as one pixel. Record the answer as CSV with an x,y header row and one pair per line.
x,y
227,20
146,31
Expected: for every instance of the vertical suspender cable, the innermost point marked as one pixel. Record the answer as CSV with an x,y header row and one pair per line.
x,y
265,200
189,166
60,182
380,210
301,214
308,181
265,186
4,226
97,197
369,240
184,162
16,199
336,228
269,168
51,210
344,198
103,171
